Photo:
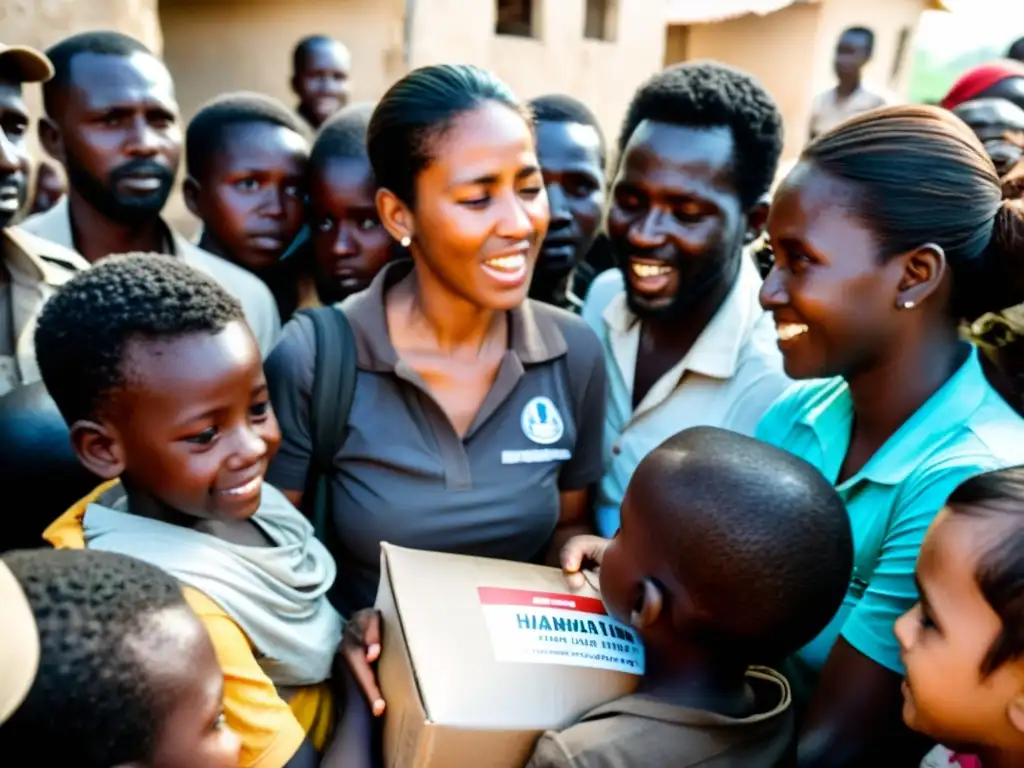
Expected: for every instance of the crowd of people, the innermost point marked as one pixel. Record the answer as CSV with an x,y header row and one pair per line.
x,y
778,410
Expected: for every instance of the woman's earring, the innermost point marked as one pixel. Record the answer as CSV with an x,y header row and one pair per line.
x,y
405,242
907,305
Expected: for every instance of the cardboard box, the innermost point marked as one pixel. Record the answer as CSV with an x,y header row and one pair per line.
x,y
482,656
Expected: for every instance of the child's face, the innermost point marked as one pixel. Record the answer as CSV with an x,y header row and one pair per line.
x,y
624,565
193,428
322,84
251,195
349,243
181,661
945,638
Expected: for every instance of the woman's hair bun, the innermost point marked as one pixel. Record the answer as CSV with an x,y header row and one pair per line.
x,y
1001,284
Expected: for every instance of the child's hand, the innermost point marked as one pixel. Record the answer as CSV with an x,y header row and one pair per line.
x,y
360,647
579,552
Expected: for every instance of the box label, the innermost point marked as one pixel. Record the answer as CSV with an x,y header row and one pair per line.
x,y
549,628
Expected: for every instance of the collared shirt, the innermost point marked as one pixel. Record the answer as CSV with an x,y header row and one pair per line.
x,y
257,302
572,291
964,429
730,376
828,110
641,731
405,476
35,269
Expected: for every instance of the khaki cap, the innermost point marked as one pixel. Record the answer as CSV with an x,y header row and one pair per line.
x,y
30,65
19,644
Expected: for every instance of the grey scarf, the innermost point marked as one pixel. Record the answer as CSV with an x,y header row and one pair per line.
x,y
277,595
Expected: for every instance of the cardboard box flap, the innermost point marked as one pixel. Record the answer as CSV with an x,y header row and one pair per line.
x,y
472,627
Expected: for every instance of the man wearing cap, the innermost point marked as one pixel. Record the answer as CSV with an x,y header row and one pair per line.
x,y
31,269
999,80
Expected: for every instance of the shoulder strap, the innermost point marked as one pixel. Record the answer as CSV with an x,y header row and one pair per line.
x,y
334,383
577,384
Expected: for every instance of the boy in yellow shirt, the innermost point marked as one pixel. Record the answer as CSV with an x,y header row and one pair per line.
x,y
119,671
161,383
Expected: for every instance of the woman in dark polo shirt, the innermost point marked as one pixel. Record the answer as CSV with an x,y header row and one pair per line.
x,y
477,417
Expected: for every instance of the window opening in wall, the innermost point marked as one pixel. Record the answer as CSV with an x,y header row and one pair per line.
x,y
602,19
677,44
901,54
515,17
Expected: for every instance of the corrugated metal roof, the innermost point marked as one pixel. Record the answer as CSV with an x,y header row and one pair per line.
x,y
704,11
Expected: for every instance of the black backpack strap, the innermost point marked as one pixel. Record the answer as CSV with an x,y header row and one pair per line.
x,y
577,384
334,384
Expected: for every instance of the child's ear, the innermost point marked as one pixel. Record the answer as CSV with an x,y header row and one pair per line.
x,y
648,605
190,190
98,448
1015,711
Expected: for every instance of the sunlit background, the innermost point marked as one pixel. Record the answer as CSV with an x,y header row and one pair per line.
x,y
974,32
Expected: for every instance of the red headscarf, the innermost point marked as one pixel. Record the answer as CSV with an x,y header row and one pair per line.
x,y
979,80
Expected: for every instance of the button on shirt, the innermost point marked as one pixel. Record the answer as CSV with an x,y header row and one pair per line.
x,y
728,379
405,476
964,429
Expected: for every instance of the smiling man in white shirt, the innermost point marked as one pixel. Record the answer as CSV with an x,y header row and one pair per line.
x,y
685,339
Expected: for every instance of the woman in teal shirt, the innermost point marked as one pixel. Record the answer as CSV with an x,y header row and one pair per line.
x,y
887,234
889,231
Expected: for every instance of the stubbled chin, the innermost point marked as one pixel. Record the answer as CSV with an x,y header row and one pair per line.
x,y
326,109
646,302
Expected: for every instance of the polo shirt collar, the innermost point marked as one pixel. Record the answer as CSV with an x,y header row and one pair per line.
x,y
953,404
53,225
534,337
716,351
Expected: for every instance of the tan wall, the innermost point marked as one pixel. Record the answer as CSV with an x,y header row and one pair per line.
x,y
214,46
41,23
778,49
602,74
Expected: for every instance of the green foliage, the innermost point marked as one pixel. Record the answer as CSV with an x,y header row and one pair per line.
x,y
933,75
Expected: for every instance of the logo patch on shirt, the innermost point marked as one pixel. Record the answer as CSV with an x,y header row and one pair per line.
x,y
536,456
542,422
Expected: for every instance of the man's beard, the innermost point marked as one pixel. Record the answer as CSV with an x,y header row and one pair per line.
x,y
688,295
123,209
